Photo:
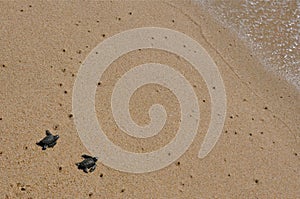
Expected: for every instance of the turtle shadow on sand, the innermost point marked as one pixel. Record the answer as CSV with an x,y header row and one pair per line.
x,y
88,164
48,141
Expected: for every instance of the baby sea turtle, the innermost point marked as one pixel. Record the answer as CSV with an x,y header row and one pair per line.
x,y
89,162
48,141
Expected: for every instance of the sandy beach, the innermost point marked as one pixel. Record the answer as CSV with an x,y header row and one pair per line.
x,y
43,46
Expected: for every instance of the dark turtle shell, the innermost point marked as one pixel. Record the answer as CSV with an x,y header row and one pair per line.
x,y
48,141
87,163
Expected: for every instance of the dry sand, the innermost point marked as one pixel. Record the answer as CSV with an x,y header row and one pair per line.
x,y
42,47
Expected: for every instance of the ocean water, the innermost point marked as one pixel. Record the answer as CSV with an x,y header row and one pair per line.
x,y
271,28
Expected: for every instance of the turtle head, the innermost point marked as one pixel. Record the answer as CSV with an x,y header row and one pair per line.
x,y
56,137
95,159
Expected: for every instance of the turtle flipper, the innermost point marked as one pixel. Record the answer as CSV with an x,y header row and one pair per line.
x,y
48,132
52,144
86,156
93,168
85,170
77,164
44,147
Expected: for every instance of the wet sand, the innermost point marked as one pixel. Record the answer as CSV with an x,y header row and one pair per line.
x,y
43,46
269,28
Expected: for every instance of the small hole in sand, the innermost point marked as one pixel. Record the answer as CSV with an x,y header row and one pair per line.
x,y
178,163
101,175
122,190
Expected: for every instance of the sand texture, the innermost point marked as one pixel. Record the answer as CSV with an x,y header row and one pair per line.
x,y
43,45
